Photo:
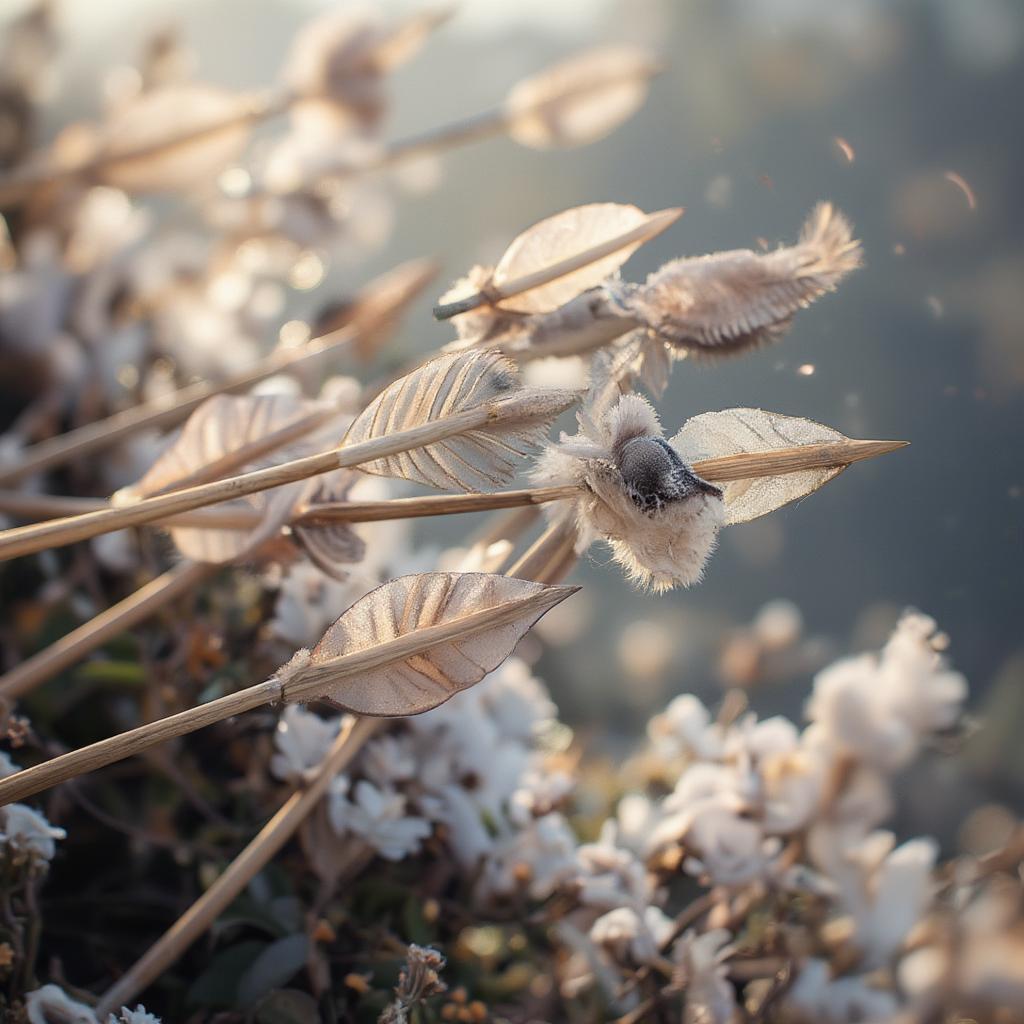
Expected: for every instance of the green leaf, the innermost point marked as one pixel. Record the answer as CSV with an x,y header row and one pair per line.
x,y
217,986
275,966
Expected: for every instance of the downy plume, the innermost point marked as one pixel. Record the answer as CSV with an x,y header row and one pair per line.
x,y
730,301
660,519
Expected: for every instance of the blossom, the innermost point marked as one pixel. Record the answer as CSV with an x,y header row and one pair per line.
x,y
535,860
701,971
817,998
880,708
377,815
27,832
137,1016
631,937
685,727
302,740
51,1005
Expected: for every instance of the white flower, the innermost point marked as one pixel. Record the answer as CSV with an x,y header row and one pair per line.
x,y
137,1016
817,999
27,832
885,891
631,938
468,837
731,849
610,877
51,1005
536,860
685,727
378,816
702,973
389,759
302,740
516,700
880,708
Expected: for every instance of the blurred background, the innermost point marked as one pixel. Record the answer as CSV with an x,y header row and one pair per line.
x,y
907,116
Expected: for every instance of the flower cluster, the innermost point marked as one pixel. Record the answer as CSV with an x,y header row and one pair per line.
x,y
772,831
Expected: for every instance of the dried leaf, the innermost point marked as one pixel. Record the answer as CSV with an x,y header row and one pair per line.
x,y
498,609
189,109
331,546
221,426
477,459
731,431
730,301
581,99
567,235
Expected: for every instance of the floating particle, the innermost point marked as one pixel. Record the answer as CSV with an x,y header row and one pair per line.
x,y
763,242
935,306
899,249
806,370
294,333
719,191
956,179
763,179
128,375
1015,491
845,148
235,182
307,271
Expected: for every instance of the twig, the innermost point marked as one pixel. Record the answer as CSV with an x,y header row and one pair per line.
x,y
201,915
305,688
492,294
28,539
535,564
19,183
110,623
741,466
383,299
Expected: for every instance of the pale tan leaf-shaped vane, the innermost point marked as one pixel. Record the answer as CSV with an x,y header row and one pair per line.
x,y
330,546
731,431
436,633
590,241
136,148
729,301
224,435
580,100
479,458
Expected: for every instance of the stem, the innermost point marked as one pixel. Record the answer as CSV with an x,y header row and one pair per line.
x,y
741,466
28,539
116,748
307,685
378,303
115,620
235,460
201,915
18,184
652,226
164,412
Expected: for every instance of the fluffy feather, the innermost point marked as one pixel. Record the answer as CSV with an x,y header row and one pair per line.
x,y
729,301
660,519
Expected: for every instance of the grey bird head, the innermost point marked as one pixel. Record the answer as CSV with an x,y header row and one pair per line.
x,y
655,475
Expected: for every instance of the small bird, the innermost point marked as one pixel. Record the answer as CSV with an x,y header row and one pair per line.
x,y
655,475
